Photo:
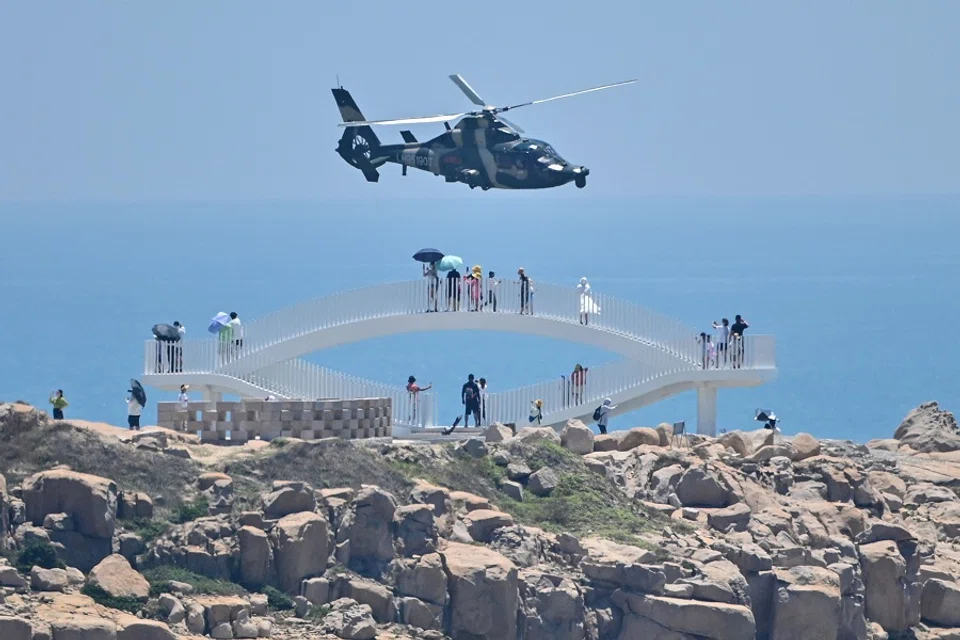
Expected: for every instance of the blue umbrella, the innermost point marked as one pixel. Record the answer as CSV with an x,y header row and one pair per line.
x,y
428,255
449,263
219,322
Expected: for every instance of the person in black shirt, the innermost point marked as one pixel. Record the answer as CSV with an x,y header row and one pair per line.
x,y
453,290
736,335
470,397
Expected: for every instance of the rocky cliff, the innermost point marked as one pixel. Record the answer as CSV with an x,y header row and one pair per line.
x,y
541,535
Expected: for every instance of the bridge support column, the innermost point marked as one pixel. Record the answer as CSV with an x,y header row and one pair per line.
x,y
211,395
707,411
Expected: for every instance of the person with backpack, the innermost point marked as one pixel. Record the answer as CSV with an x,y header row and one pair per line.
x,y
470,397
536,411
602,414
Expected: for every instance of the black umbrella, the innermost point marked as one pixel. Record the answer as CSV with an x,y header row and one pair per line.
x,y
137,390
166,333
428,255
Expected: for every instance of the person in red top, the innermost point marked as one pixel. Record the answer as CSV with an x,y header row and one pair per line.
x,y
414,389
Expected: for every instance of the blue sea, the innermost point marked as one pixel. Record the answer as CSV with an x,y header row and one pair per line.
x,y
861,293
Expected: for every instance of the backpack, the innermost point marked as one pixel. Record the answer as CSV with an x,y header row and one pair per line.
x,y
597,413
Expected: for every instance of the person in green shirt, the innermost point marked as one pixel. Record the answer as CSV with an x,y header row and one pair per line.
x,y
58,402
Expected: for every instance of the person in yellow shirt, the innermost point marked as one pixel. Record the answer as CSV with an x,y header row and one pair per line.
x,y
58,402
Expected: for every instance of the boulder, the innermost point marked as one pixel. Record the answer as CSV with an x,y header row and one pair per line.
x,y
301,548
513,490
605,442
497,433
287,498
473,447
940,603
576,437
83,627
928,428
4,513
534,435
90,501
543,482
518,471
736,516
115,576
806,605
367,526
418,613
483,593
9,577
15,628
350,620
256,557
892,600
805,446
481,523
638,436
416,530
425,493
552,607
48,579
697,488
708,620
376,596
424,578
132,628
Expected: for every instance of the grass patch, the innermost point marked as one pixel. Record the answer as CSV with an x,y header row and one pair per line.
x,y
148,529
190,511
161,576
101,597
277,600
583,503
322,464
38,553
25,451
318,613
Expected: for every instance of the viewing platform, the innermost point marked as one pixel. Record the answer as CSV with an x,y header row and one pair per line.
x,y
661,356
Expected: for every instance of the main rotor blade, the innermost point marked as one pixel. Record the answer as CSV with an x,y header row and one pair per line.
x,y
368,123
467,89
567,95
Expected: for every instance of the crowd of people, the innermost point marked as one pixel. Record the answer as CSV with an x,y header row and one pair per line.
x,y
725,346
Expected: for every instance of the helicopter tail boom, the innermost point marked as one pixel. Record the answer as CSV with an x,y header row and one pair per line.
x,y
359,145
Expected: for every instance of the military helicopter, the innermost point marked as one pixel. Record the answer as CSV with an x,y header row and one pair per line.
x,y
483,150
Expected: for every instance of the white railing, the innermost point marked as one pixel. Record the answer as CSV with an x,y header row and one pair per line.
x,y
301,380
553,302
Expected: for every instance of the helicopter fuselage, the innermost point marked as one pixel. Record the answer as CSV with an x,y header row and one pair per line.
x,y
482,152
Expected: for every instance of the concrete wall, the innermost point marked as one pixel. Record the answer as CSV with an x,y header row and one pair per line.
x,y
233,422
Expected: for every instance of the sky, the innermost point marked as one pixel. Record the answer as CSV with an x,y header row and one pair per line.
x,y
230,100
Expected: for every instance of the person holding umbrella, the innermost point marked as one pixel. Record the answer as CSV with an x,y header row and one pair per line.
x,y
430,259
135,403
58,402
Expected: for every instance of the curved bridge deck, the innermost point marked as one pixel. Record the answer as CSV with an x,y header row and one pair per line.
x,y
661,356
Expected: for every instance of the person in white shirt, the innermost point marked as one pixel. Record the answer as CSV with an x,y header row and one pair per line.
x,y
604,411
133,413
492,284
484,395
237,331
722,339
184,401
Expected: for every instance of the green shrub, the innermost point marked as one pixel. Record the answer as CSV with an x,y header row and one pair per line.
x,y
38,553
161,576
277,600
191,511
101,597
148,529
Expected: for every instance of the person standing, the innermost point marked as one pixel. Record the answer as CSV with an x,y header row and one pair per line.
x,y
59,403
536,411
453,290
414,390
492,283
433,285
603,414
184,401
133,412
736,334
470,397
723,338
178,348
524,291
484,394
237,332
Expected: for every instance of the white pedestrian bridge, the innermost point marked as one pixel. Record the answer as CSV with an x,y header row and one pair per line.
x,y
661,356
